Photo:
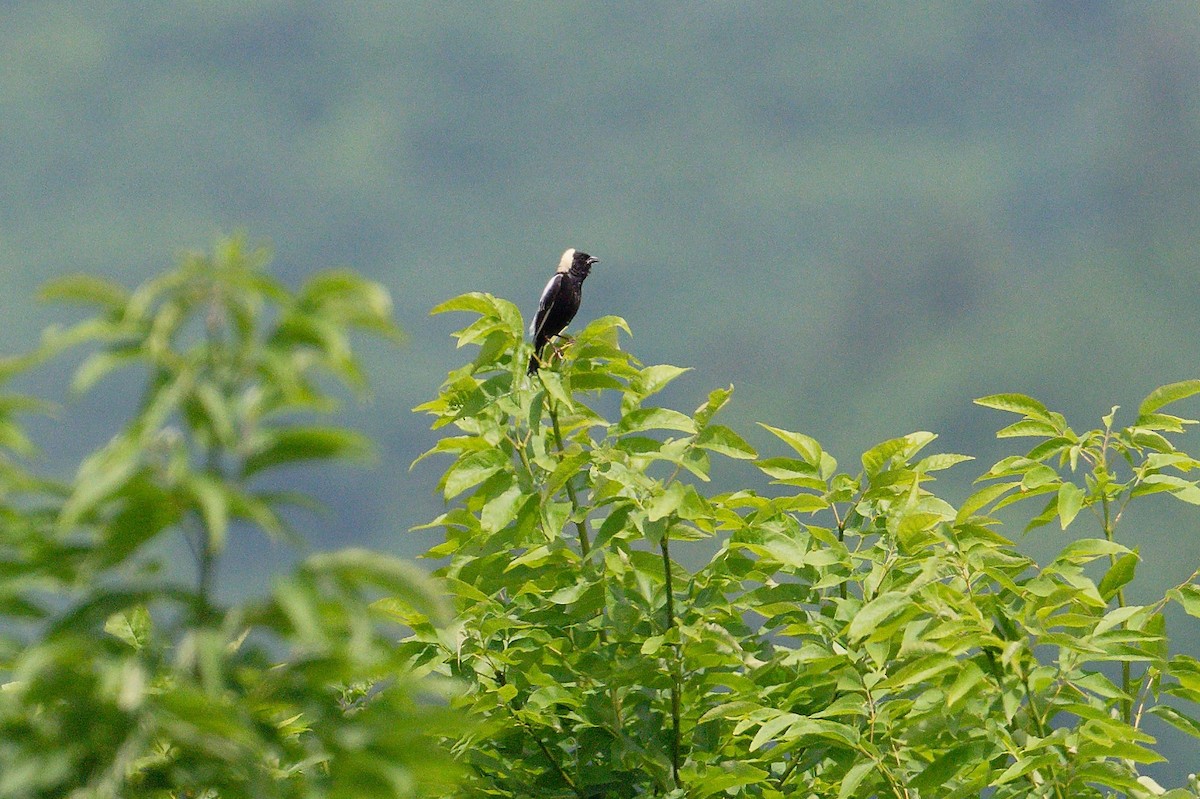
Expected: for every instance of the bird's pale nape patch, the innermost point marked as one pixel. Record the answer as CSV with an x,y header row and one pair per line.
x,y
564,263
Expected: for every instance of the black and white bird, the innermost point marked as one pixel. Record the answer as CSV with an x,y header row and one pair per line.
x,y
559,302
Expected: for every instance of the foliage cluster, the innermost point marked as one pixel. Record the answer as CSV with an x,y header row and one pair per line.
x,y
853,635
122,678
850,633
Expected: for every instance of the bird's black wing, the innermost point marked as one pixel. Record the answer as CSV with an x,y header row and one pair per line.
x,y
545,304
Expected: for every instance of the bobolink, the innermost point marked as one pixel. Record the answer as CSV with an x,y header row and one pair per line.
x,y
560,301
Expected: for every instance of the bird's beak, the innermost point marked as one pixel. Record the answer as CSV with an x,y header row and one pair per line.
x,y
593,260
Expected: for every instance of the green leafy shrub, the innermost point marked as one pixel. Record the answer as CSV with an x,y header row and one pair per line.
x,y
122,678
850,634
854,635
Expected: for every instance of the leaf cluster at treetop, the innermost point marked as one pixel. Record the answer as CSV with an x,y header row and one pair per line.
x,y
854,634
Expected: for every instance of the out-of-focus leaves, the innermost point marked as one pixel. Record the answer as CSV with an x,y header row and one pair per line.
x,y
86,289
132,626
277,447
129,684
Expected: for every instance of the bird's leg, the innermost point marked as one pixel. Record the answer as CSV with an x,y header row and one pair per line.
x,y
559,350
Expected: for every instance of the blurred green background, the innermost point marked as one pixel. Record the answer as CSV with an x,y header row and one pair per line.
x,y
863,216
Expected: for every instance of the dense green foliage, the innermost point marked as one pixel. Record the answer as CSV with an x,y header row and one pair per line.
x,y
850,633
122,677
854,635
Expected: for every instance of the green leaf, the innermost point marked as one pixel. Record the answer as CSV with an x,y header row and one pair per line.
x,y
801,503
1028,428
605,328
1186,490
1023,765
1177,719
945,766
144,510
479,302
1119,616
217,412
854,778
554,387
281,446
616,522
84,288
807,447
498,511
730,774
920,670
1016,403
1070,500
1188,597
936,463
1088,549
666,503
878,456
1165,395
792,471
982,498
1037,477
771,728
652,644
568,467
1118,575
131,625
401,579
347,298
641,419
720,439
100,474
210,496
717,399
841,734
99,364
571,593
879,611
653,379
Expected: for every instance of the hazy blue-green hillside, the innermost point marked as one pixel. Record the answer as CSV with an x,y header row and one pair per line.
x,y
880,212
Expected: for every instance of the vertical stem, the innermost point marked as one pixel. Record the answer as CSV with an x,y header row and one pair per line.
x,y
675,675
206,555
206,569
585,546
841,531
899,790
1126,672
585,549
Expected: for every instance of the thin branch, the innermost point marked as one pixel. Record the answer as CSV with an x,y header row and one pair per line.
x,y
675,666
558,767
585,546
1126,671
537,739
900,791
787,772
1038,723
206,555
